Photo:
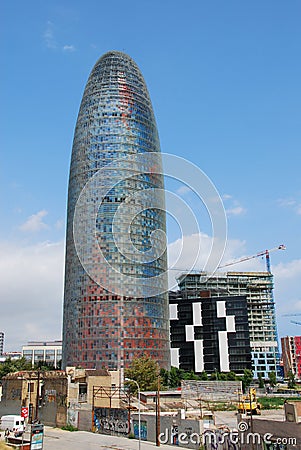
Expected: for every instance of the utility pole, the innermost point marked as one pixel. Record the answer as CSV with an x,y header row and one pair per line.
x,y
37,397
158,414
93,407
251,415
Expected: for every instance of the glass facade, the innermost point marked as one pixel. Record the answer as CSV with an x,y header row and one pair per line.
x,y
115,299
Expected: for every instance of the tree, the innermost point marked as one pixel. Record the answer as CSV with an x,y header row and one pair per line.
x,y
175,377
291,384
231,376
214,376
145,371
164,374
272,379
189,375
16,365
246,379
260,382
172,378
203,376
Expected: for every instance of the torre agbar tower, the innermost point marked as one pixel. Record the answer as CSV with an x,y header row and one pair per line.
x,y
115,298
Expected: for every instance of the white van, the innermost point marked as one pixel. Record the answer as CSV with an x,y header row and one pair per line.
x,y
13,423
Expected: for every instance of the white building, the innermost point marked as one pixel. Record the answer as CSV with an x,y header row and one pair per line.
x,y
49,352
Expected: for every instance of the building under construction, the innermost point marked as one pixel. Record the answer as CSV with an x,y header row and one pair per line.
x,y
258,289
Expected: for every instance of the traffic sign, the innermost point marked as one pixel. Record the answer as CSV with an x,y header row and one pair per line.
x,y
24,412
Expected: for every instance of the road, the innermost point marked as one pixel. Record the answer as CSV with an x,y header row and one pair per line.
x,y
56,439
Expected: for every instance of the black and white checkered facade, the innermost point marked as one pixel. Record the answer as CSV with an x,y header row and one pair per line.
x,y
209,334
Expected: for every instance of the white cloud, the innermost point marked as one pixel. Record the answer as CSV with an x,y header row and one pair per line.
x,y
226,196
49,36
31,292
194,252
68,48
182,254
287,271
35,222
51,42
291,203
183,190
287,202
236,211
59,224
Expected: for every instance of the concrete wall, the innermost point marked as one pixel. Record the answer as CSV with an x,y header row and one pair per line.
x,y
97,381
84,420
111,421
292,411
11,397
276,430
172,428
52,404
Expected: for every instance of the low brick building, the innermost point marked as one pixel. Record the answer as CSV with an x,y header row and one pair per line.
x,y
44,393
58,397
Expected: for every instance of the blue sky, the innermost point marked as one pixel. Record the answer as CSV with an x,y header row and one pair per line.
x,y
224,79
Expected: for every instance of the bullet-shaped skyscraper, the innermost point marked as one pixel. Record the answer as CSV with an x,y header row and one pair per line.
x,y
115,298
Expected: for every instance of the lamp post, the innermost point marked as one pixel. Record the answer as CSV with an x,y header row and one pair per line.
x,y
139,411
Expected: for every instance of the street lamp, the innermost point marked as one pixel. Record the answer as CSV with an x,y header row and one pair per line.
x,y
139,415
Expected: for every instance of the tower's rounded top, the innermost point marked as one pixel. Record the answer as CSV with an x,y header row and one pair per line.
x,y
115,53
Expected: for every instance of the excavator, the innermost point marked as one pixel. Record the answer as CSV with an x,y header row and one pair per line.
x,y
248,403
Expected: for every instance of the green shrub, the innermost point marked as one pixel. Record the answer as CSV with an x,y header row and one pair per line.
x,y
69,427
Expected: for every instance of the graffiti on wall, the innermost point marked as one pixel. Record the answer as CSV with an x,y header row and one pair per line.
x,y
111,421
143,428
72,417
50,395
15,394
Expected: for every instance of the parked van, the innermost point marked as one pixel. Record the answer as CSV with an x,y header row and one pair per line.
x,y
13,423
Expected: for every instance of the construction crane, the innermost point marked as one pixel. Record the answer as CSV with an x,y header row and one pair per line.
x,y
264,252
291,314
246,258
